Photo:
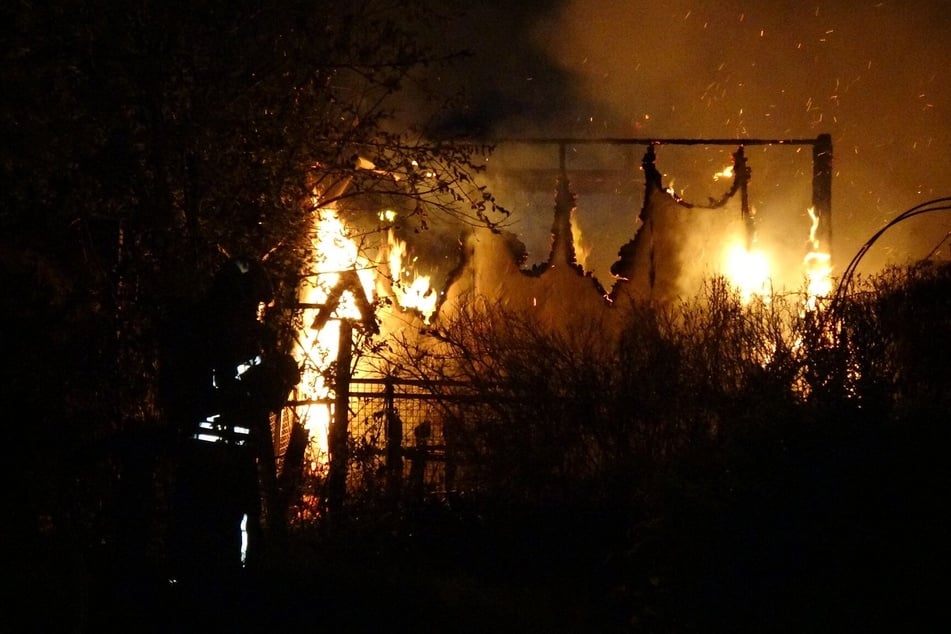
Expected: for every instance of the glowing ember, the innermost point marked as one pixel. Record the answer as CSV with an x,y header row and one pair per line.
x,y
817,266
726,172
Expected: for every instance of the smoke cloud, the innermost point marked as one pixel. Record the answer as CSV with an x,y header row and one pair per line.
x,y
872,74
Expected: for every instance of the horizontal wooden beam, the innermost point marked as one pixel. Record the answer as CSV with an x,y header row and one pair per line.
x,y
645,141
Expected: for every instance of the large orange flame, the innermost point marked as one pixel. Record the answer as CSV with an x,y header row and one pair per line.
x,y
332,252
411,290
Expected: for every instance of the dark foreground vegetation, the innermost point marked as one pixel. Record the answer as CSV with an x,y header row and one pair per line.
x,y
719,468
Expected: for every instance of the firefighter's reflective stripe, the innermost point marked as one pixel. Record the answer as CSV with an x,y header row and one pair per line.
x,y
239,370
247,365
212,429
244,539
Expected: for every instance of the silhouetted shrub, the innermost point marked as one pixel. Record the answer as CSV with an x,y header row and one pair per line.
x,y
721,466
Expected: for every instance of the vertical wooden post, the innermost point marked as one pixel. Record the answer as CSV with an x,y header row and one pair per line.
x,y
741,174
562,242
822,188
394,444
339,433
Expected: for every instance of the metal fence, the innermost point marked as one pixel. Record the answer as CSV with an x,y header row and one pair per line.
x,y
398,430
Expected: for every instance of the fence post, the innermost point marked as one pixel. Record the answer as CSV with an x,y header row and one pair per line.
x,y
394,443
339,433
822,187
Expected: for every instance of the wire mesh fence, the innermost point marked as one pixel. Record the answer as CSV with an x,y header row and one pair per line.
x,y
401,432
401,440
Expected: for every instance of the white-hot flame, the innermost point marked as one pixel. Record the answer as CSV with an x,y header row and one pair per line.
x,y
747,270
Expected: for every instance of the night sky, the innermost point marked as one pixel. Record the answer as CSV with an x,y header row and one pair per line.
x,y
873,74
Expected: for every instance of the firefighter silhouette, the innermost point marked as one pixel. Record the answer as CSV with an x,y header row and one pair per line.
x,y
228,375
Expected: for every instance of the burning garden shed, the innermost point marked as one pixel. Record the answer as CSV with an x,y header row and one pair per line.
x,y
395,412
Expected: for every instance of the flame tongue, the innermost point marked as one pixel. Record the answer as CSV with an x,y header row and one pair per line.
x,y
411,290
817,265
